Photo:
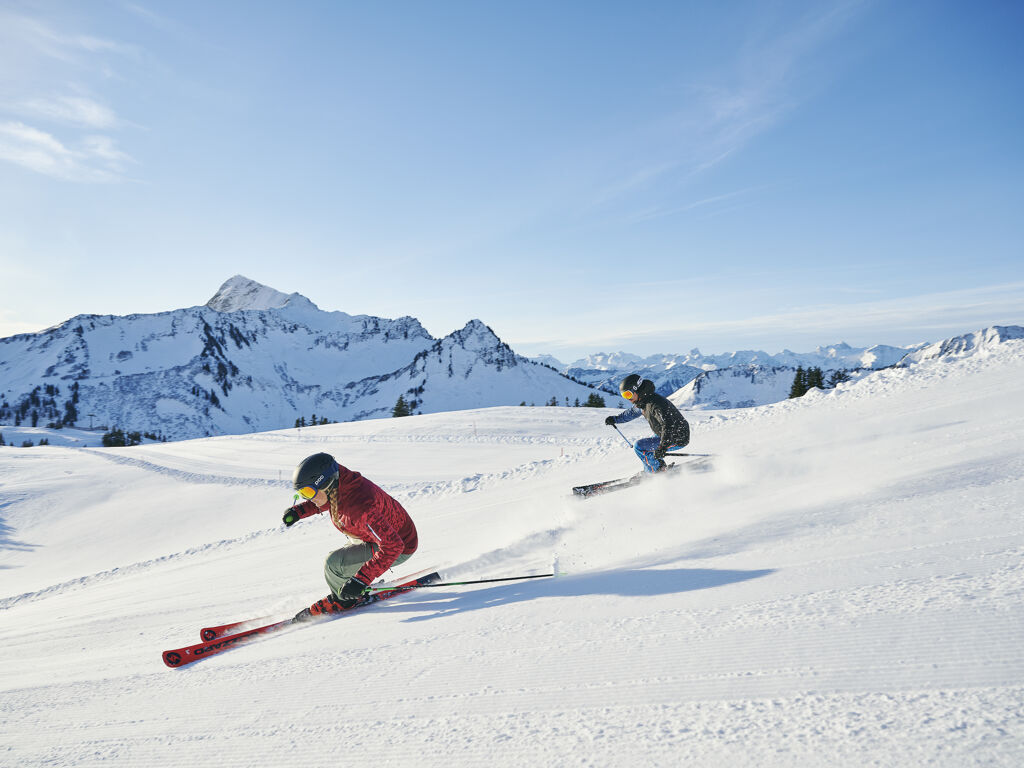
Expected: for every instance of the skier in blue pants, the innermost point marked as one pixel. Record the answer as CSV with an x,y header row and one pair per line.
x,y
671,430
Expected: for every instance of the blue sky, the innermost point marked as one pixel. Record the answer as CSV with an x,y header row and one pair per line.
x,y
581,176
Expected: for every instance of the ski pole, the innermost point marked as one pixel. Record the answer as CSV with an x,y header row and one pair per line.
x,y
623,436
461,583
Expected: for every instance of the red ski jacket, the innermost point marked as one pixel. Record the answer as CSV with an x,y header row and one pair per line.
x,y
367,513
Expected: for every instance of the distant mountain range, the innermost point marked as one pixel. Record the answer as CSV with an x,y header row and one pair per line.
x,y
752,377
673,372
255,359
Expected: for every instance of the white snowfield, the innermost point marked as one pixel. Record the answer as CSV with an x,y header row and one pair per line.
x,y
845,588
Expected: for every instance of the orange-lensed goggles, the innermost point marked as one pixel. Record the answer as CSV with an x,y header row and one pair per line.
x,y
308,492
629,395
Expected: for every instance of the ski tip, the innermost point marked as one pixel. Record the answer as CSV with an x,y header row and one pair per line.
x,y
172,659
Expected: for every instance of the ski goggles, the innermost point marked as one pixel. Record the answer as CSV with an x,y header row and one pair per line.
x,y
629,395
322,483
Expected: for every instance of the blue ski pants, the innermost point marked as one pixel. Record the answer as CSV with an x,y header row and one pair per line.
x,y
645,448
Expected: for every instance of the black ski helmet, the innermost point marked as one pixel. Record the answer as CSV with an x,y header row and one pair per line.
x,y
637,385
319,472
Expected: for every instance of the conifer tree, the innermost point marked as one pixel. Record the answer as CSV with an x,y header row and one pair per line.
x,y
815,378
401,408
799,388
836,378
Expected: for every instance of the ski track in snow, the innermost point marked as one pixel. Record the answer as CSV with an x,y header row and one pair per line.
x,y
846,588
403,492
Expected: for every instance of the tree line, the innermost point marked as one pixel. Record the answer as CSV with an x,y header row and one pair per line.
x,y
814,378
406,408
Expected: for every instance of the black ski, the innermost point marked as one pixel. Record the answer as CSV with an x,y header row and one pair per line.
x,y
700,462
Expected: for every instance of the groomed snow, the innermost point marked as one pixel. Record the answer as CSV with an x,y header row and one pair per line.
x,y
844,589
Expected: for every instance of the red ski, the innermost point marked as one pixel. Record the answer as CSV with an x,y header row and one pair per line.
x,y
212,633
208,634
180,657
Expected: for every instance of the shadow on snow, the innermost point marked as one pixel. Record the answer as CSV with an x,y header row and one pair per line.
x,y
8,542
622,583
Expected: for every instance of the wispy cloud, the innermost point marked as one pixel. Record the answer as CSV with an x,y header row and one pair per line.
x,y
926,317
693,205
152,18
95,159
717,118
78,110
898,321
50,123
42,38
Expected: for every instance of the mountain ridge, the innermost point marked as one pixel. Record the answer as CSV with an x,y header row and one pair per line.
x,y
253,358
256,359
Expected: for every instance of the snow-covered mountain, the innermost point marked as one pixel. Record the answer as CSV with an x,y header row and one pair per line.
x,y
753,377
979,342
744,386
255,359
741,386
836,356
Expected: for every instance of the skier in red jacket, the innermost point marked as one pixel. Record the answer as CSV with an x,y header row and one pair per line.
x,y
381,531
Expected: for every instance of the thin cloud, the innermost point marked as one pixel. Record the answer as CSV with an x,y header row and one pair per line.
x,y
45,40
718,120
152,18
96,160
707,202
78,110
61,131
904,320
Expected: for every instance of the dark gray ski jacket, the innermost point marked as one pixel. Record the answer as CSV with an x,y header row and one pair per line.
x,y
664,419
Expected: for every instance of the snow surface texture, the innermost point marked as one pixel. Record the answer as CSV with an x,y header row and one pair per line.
x,y
843,589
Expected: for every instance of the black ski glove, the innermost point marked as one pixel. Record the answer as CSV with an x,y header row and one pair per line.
x,y
351,592
610,421
292,516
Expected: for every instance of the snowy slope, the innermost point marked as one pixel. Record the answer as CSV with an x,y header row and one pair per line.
x,y
845,588
978,342
738,387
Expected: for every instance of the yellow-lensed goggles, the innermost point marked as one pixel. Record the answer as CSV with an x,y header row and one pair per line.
x,y
308,492
628,395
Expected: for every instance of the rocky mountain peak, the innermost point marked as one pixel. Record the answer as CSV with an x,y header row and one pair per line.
x,y
239,292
